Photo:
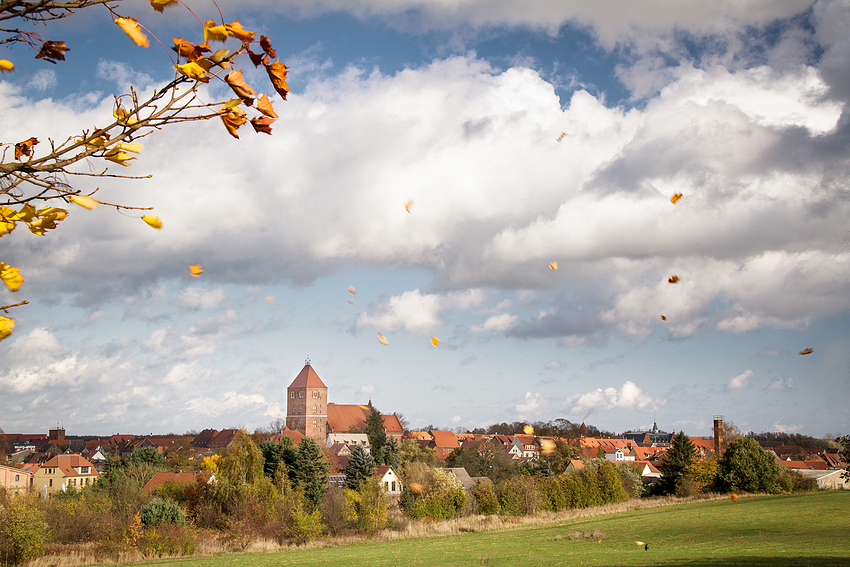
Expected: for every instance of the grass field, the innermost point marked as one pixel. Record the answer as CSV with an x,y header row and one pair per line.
x,y
775,531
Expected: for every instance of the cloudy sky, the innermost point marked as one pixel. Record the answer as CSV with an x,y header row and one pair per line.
x,y
460,107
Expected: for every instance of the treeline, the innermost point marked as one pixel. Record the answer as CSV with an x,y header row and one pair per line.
x,y
791,439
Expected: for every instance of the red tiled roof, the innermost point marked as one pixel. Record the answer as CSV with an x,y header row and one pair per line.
x,y
203,438
443,439
343,417
392,424
181,477
223,438
296,436
67,463
307,378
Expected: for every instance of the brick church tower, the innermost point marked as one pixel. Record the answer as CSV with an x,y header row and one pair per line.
x,y
307,405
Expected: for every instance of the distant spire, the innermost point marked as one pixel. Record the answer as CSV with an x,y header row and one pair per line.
x,y
307,362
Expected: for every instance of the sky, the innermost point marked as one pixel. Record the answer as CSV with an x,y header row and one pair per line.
x,y
524,134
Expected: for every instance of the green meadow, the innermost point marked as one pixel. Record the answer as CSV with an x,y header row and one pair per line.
x,y
775,531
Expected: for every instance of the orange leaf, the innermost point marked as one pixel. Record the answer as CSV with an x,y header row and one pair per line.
x,y
233,118
195,270
269,299
256,58
25,148
235,29
351,290
561,137
264,105
675,197
663,318
262,124
408,205
53,51
547,446
553,266
673,279
807,351
277,74
435,341
188,49
240,87
266,45
132,29
159,5
382,339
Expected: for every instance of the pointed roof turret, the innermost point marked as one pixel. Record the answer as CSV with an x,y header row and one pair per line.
x,y
307,378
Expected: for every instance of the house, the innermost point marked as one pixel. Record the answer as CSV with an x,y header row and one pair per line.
x,y
180,477
15,480
618,455
527,446
460,473
389,480
64,471
444,442
827,479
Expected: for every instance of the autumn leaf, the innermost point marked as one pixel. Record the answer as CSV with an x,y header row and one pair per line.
x,y
408,205
6,66
193,70
132,29
382,339
663,318
435,341
416,488
152,221
269,299
44,219
6,326
547,446
262,124
266,46
189,50
84,201
7,225
233,117
235,29
351,290
675,197
52,51
240,87
351,303
160,5
528,430
553,266
673,279
264,105
119,157
256,58
807,351
195,270
134,147
24,148
562,136
213,32
11,277
277,75
123,116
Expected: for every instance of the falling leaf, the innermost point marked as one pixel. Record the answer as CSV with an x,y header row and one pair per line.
x,y
233,117
351,290
435,341
640,543
733,497
806,351
213,32
675,197
6,326
84,201
195,270
277,74
240,87
25,148
193,70
235,29
262,124
553,266
188,49
11,277
673,279
6,66
416,488
547,446
562,136
132,29
351,303
407,205
160,5
663,318
53,51
382,339
528,430
269,299
152,221
264,105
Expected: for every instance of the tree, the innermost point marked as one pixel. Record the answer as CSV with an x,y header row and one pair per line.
x,y
483,458
675,463
745,466
376,434
845,452
147,455
275,454
241,462
360,468
311,470
36,177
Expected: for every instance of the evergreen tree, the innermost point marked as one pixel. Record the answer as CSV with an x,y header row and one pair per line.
x,y
680,454
276,453
360,467
311,470
376,433
391,452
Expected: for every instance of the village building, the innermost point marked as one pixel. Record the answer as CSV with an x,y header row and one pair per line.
x,y
63,472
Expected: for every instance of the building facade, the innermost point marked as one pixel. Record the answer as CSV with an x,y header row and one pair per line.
x,y
307,405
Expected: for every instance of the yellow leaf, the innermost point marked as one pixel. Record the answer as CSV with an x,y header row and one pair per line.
x,y
435,341
132,29
134,147
547,446
124,117
351,290
152,221
528,430
7,224
6,66
807,351
382,339
119,157
235,29
408,205
159,5
213,32
242,89
269,299
11,277
6,326
562,136
675,197
553,266
195,270
193,71
84,201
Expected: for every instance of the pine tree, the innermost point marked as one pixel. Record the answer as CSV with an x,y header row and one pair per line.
x,y
311,470
375,432
360,467
680,454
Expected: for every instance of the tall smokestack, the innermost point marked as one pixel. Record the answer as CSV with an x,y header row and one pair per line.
x,y
718,434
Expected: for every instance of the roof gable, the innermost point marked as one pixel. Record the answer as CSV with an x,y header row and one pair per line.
x,y
307,378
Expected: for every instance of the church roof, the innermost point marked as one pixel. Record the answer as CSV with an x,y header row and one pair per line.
x,y
307,378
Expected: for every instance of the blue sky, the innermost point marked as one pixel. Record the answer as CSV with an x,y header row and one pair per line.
x,y
458,107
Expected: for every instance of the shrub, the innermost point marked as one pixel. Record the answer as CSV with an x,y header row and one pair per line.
x,y
372,507
485,499
793,481
610,486
519,496
442,498
167,539
23,535
745,466
162,512
332,508
553,498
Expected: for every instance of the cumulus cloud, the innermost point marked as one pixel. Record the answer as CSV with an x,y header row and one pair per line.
x,y
366,389
628,396
196,298
531,404
414,311
782,383
741,381
785,428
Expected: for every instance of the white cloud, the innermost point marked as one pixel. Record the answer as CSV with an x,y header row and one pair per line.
x,y
785,428
416,312
455,419
496,323
226,403
43,80
629,396
367,389
532,404
199,298
741,381
782,383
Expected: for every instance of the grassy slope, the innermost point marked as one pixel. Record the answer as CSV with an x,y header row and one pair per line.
x,y
776,531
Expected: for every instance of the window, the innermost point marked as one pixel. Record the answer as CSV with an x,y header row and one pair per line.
x,y
301,394
386,486
51,482
85,470
315,425
393,486
17,477
315,394
292,395
314,408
